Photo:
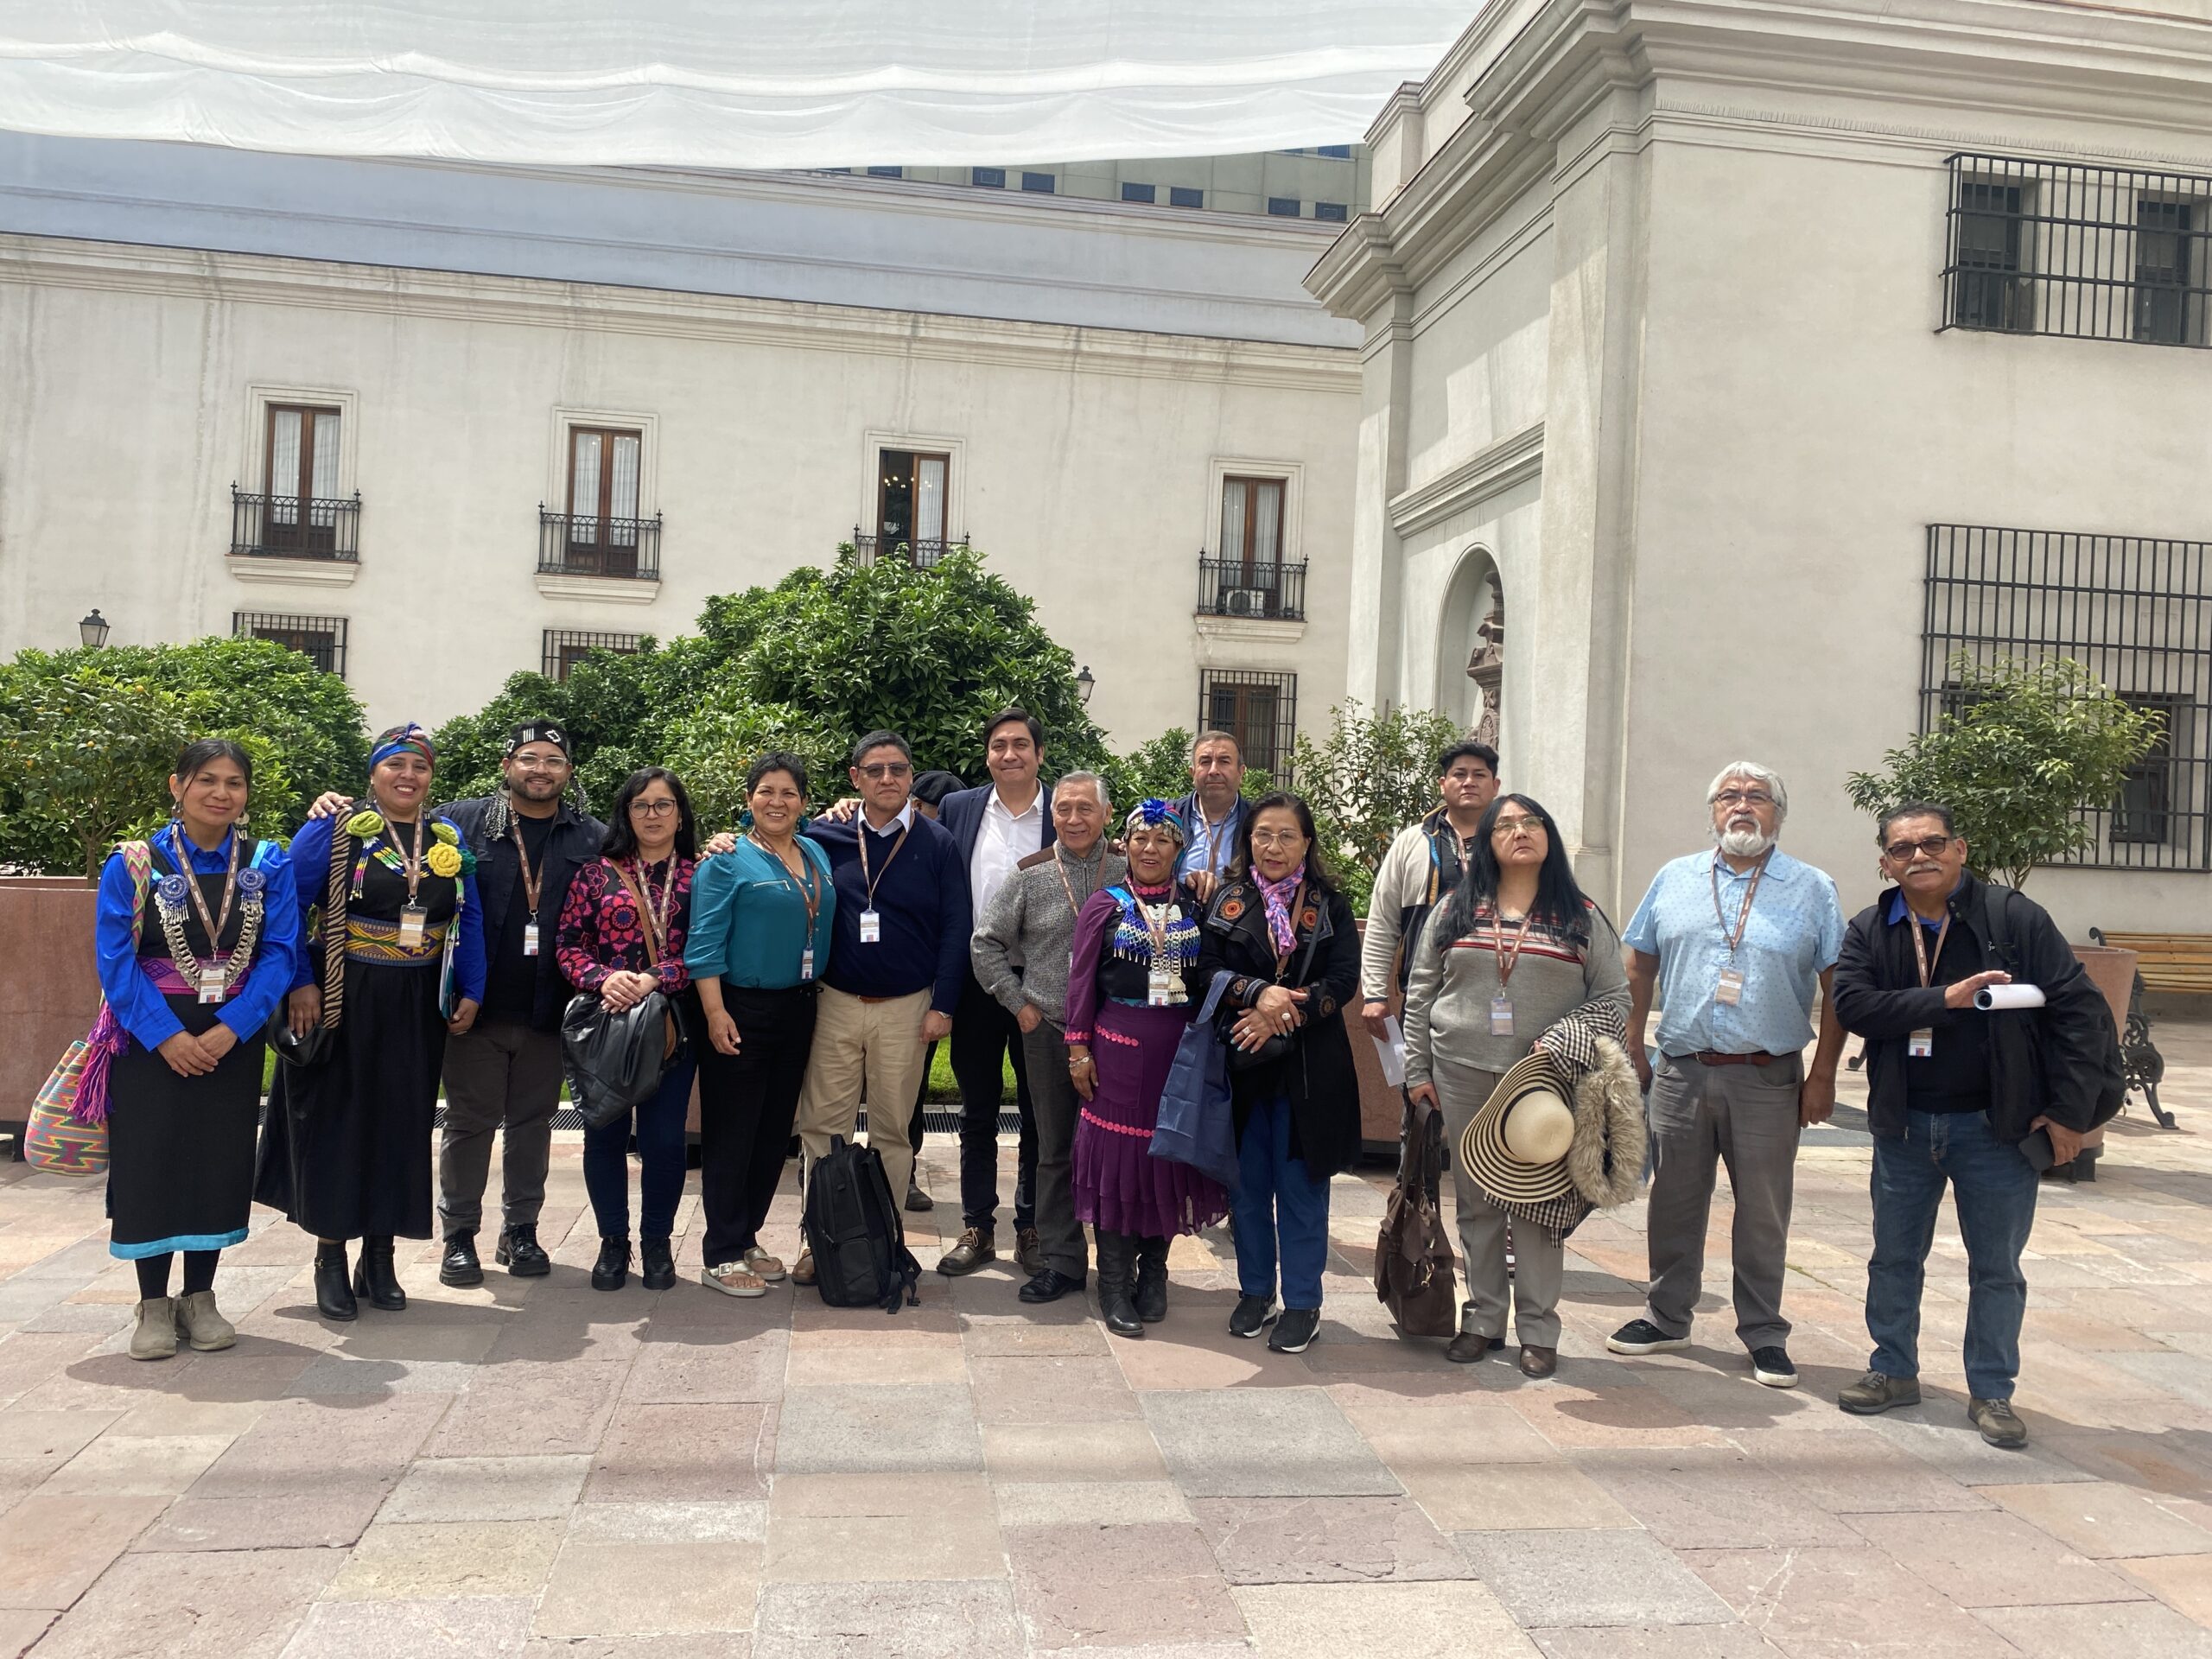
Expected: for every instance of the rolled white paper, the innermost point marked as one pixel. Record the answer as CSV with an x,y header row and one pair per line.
x,y
2009,996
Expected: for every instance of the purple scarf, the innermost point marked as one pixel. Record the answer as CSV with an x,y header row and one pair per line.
x,y
1277,895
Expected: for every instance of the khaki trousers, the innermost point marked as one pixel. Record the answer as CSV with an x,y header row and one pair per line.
x,y
877,1046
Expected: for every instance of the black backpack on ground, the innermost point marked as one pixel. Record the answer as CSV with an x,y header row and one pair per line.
x,y
854,1229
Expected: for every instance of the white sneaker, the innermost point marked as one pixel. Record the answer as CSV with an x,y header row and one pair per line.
x,y
733,1278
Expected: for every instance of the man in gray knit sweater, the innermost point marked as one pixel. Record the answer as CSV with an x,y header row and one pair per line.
x,y
1021,948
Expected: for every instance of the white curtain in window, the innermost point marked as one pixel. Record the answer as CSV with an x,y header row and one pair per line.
x,y
928,498
583,489
1266,532
625,489
323,482
284,466
687,83
1232,519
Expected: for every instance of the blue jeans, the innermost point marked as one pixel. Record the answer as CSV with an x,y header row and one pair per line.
x,y
1993,1188
660,1149
1278,1205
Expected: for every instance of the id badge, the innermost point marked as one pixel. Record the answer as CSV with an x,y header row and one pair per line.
x,y
211,984
530,938
807,963
1921,1044
871,927
1501,1016
413,922
1159,991
1730,991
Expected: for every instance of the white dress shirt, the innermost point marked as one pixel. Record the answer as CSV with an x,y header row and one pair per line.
x,y
1002,840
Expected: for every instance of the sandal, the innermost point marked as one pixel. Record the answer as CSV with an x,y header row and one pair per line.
x,y
733,1278
768,1267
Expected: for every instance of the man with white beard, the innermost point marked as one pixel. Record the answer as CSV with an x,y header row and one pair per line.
x,y
1734,940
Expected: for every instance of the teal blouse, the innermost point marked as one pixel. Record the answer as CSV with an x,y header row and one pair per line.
x,y
748,918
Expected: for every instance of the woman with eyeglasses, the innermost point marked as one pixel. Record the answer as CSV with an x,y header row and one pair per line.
x,y
1516,951
622,939
1284,934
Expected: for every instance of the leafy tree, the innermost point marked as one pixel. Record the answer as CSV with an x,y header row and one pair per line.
x,y
2029,749
1160,768
1370,778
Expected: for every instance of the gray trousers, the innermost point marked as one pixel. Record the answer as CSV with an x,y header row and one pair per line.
x,y
502,1076
1745,1116
1055,1103
1539,1260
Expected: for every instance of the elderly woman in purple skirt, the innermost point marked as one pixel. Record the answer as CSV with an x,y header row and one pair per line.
x,y
1130,998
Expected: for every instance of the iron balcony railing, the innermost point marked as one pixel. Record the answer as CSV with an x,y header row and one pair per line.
x,y
294,527
922,554
1231,587
574,544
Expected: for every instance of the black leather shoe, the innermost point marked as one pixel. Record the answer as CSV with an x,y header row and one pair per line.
x,y
655,1264
612,1270
1466,1348
1152,1280
459,1266
1117,1266
333,1297
373,1276
1049,1287
521,1254
1251,1315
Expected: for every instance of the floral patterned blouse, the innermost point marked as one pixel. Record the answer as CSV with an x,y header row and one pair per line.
x,y
601,931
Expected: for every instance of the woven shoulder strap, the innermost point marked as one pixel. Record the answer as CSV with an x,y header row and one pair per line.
x,y
333,927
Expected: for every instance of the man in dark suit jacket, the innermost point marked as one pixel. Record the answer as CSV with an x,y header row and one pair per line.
x,y
996,827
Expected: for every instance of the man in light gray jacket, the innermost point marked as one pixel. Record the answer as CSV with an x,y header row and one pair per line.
x,y
1021,951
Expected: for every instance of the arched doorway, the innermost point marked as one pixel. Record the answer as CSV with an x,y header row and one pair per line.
x,y
1469,646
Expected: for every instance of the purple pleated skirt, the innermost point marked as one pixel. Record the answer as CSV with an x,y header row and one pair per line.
x,y
1119,1184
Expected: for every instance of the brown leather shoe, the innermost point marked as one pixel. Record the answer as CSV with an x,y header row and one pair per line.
x,y
974,1249
1538,1362
1029,1251
1467,1347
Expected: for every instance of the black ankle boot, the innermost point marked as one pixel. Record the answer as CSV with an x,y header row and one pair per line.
x,y
333,1297
1116,1277
655,1264
612,1270
521,1254
1152,1280
373,1276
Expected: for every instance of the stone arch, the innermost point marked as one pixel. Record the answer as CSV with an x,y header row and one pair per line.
x,y
1469,646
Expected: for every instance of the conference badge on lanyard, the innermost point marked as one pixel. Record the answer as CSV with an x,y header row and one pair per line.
x,y
1501,1016
414,923
211,984
1730,991
1159,987
530,938
1921,1044
871,928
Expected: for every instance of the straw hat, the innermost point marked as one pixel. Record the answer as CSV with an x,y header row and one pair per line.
x,y
1516,1146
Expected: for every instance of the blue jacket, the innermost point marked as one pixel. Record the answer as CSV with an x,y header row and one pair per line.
x,y
922,896
962,815
310,855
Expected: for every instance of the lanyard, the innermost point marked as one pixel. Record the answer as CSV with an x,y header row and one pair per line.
x,y
1075,907
533,881
1217,838
1297,909
1157,927
1743,915
1507,960
409,861
1920,943
861,837
656,921
216,922
810,886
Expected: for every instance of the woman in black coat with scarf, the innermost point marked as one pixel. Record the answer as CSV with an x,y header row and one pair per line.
x,y
1285,936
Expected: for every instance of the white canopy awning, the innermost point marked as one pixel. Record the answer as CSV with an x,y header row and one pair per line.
x,y
716,83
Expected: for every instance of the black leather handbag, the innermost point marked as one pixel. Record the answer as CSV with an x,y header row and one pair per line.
x,y
614,1060
1277,1047
308,1053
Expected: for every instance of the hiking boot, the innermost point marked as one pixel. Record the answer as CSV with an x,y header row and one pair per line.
x,y
1028,1251
199,1324
655,1264
1641,1337
1251,1315
1999,1423
154,1336
458,1265
974,1249
521,1254
1771,1366
1295,1330
1878,1391
612,1270
1470,1345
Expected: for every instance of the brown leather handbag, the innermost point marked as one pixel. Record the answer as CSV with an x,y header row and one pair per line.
x,y
1413,1267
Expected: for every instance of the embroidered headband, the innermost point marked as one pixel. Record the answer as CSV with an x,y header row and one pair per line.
x,y
1156,814
538,731
410,738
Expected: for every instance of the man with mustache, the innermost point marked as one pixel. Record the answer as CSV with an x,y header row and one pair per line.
x,y
1735,940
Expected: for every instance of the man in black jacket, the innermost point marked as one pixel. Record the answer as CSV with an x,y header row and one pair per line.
x,y
1976,1099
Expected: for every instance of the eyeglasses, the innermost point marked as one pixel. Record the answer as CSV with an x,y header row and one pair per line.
x,y
884,771
1927,847
1508,826
1276,838
651,808
1743,797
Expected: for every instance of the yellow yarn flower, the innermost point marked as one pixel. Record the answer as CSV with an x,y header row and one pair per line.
x,y
365,825
443,860
446,833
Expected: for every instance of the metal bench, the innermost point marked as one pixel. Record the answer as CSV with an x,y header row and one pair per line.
x,y
2179,961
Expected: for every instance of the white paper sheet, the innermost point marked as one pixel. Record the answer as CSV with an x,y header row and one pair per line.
x,y
1390,1049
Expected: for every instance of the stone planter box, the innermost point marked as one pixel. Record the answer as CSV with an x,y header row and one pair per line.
x,y
49,993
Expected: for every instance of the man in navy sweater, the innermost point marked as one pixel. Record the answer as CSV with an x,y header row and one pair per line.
x,y
897,961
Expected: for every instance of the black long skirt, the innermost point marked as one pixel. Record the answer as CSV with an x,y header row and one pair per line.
x,y
346,1152
180,1174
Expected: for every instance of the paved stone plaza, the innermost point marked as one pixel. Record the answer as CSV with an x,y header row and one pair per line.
x,y
537,1468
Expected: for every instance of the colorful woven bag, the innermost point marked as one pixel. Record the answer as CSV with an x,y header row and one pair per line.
x,y
68,1131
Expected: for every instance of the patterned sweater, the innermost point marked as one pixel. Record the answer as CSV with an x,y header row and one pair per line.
x,y
601,931
1448,993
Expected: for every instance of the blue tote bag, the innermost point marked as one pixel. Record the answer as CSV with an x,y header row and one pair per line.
x,y
1196,1124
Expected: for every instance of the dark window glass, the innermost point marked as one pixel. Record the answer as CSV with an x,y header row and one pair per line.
x,y
1259,710
1334,211
1335,152
991,177
1180,195
887,172
1988,293
320,639
1139,192
1283,207
1042,183
2170,293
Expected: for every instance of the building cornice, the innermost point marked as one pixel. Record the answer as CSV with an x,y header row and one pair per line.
x,y
1473,481
264,279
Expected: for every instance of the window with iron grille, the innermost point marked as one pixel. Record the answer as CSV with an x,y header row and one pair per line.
x,y
1257,708
2137,612
2085,252
320,639
566,647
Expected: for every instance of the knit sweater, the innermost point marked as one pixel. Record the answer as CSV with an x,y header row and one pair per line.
x,y
921,900
1022,946
1448,997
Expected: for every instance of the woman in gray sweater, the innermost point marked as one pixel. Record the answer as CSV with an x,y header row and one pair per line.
x,y
1517,950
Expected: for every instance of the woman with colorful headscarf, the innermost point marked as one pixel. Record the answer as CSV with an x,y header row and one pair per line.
x,y
1131,994
393,963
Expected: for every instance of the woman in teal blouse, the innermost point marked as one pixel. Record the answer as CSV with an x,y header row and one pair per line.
x,y
759,941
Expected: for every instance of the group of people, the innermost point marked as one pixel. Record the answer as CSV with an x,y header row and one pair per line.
x,y
812,963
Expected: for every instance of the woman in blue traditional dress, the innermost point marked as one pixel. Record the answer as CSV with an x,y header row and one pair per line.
x,y
393,963
1130,997
195,939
